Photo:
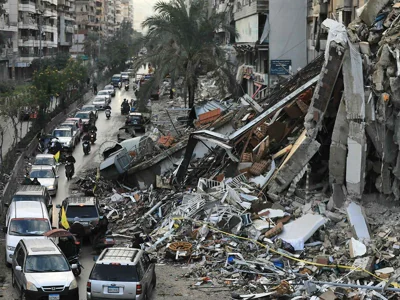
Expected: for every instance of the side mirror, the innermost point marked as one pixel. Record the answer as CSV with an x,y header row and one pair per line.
x,y
58,164
58,206
18,268
6,204
153,260
57,176
29,164
74,266
102,205
5,229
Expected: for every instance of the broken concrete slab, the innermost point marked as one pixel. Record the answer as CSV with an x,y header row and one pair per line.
x,y
357,220
371,10
300,230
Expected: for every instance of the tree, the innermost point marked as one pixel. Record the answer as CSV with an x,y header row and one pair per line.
x,y
91,44
181,40
59,61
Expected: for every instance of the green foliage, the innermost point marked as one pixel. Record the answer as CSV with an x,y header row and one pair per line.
x,y
91,45
7,87
59,61
181,40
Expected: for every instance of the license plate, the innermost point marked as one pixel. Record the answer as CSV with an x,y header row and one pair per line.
x,y
54,297
113,289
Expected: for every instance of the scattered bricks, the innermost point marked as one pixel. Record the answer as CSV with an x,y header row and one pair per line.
x,y
260,135
323,260
259,167
166,141
247,157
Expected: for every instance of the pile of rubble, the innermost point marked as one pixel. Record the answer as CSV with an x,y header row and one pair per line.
x,y
232,237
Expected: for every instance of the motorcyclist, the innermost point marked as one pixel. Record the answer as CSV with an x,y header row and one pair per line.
x,y
78,230
72,160
93,130
55,146
100,230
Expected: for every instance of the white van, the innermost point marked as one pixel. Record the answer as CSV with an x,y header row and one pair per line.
x,y
24,220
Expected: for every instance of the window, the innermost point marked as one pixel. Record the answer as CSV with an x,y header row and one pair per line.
x,y
87,211
46,263
122,273
29,227
20,257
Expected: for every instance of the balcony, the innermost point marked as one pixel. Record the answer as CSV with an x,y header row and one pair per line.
x,y
257,6
66,43
69,29
49,28
28,42
49,13
26,25
28,7
6,54
8,26
344,5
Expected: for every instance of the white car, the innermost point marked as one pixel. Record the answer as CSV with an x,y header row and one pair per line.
x,y
100,103
110,89
66,137
105,94
47,177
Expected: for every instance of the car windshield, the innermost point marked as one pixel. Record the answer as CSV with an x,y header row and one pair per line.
x,y
88,108
62,133
16,198
87,211
42,174
46,263
122,273
82,115
69,125
44,161
29,227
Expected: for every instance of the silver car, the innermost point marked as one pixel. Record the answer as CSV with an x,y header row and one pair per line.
x,y
47,177
92,108
46,160
105,94
75,130
110,89
41,271
122,273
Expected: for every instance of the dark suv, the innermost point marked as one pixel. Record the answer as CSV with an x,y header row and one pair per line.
x,y
122,273
86,209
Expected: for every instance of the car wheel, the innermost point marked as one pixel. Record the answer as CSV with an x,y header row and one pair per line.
x,y
13,282
22,295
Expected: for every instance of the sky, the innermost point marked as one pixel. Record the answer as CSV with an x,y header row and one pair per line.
x,y
141,10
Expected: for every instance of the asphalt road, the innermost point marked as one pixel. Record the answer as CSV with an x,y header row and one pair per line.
x,y
106,131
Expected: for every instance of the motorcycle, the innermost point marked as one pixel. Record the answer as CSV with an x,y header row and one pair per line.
x,y
125,109
104,241
126,86
75,260
86,147
69,170
108,114
92,137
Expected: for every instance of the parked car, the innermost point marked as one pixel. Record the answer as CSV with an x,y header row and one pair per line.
x,y
92,108
24,219
76,131
46,160
100,103
104,93
78,121
110,89
86,209
137,121
33,193
66,137
116,80
47,177
41,271
133,275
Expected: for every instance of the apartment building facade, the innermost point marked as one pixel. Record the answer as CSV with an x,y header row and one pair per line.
x,y
33,29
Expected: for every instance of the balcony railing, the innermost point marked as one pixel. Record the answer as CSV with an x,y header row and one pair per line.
x,y
256,6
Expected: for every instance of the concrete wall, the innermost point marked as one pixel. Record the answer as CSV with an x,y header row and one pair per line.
x,y
288,39
247,29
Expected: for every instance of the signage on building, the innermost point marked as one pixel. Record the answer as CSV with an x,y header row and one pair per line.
x,y
248,71
280,67
22,65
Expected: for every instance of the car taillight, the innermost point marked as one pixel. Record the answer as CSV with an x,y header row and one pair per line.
x,y
138,289
89,286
